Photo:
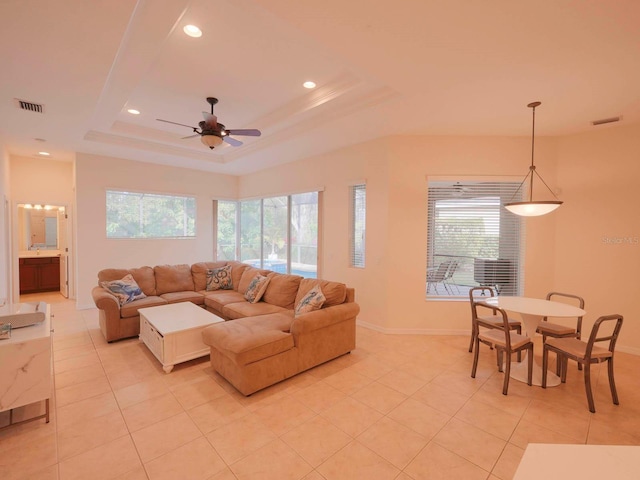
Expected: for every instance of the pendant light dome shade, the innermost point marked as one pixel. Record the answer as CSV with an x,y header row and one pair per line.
x,y
533,208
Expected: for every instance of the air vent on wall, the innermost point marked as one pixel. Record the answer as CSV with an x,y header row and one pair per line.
x,y
606,120
29,106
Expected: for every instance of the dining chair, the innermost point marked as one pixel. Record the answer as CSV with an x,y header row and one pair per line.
x,y
586,353
556,330
505,341
487,321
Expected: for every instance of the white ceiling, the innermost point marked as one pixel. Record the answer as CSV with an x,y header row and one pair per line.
x,y
455,67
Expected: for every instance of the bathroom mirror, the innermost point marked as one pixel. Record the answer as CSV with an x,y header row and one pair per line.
x,y
38,226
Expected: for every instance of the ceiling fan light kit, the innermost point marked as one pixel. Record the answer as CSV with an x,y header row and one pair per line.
x,y
533,208
213,134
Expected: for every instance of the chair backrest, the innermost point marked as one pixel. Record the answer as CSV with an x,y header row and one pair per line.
x,y
611,336
497,311
580,302
481,293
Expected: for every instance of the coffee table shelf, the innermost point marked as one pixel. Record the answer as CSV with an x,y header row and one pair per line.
x,y
173,332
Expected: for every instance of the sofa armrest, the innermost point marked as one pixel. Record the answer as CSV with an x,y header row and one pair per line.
x,y
106,302
324,317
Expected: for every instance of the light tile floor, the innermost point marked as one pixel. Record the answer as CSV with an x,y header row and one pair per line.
x,y
397,407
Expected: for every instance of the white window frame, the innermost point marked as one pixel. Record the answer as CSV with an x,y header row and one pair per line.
x,y
503,268
357,224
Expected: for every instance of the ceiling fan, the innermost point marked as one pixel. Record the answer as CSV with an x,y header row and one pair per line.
x,y
212,133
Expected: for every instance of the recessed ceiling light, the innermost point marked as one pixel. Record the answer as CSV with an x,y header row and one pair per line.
x,y
192,31
133,111
44,154
309,84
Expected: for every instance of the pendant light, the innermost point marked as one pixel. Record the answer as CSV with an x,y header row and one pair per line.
x,y
533,208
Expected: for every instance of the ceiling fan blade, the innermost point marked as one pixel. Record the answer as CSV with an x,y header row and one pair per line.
x,y
175,123
252,132
232,141
210,119
191,136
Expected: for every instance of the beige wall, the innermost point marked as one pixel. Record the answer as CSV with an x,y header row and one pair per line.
x,y
391,289
596,174
42,181
5,223
96,174
598,233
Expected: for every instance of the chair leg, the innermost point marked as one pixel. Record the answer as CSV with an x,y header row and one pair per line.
x,y
473,337
564,363
559,364
545,361
519,355
500,361
612,383
587,386
507,372
475,358
530,364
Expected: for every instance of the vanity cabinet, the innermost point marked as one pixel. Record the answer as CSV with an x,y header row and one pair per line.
x,y
39,274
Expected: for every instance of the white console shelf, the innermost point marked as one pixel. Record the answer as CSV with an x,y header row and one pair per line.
x,y
26,367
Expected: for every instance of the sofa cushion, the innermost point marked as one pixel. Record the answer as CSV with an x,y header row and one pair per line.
x,y
199,273
219,298
219,278
246,341
188,296
282,290
256,288
143,276
173,278
131,309
246,309
313,300
247,276
126,289
335,292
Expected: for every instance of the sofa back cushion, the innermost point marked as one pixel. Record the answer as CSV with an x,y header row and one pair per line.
x,y
282,290
199,273
173,278
247,276
334,292
143,276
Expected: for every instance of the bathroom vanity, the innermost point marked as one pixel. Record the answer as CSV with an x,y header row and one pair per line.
x,y
39,273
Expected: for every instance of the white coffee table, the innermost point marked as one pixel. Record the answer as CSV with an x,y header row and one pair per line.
x,y
173,332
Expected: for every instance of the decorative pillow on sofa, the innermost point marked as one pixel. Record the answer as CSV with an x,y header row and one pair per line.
x,y
219,278
313,300
256,288
125,290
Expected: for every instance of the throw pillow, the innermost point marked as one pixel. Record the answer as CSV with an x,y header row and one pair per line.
x,y
125,290
313,300
219,278
256,288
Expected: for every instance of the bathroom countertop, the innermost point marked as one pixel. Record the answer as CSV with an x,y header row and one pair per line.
x,y
42,253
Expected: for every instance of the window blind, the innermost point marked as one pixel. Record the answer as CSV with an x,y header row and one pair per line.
x,y
358,211
472,239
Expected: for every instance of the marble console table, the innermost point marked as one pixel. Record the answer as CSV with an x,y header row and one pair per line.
x,y
26,368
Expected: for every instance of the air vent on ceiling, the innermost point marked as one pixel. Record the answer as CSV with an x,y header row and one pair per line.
x,y
606,120
29,106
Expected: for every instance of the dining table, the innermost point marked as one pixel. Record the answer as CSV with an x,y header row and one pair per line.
x,y
532,311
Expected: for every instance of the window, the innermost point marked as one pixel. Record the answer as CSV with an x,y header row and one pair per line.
x,y
226,220
149,215
357,220
276,233
472,239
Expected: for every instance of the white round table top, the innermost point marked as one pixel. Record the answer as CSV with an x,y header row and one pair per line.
x,y
536,306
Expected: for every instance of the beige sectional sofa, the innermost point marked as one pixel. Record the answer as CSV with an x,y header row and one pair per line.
x,y
261,343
